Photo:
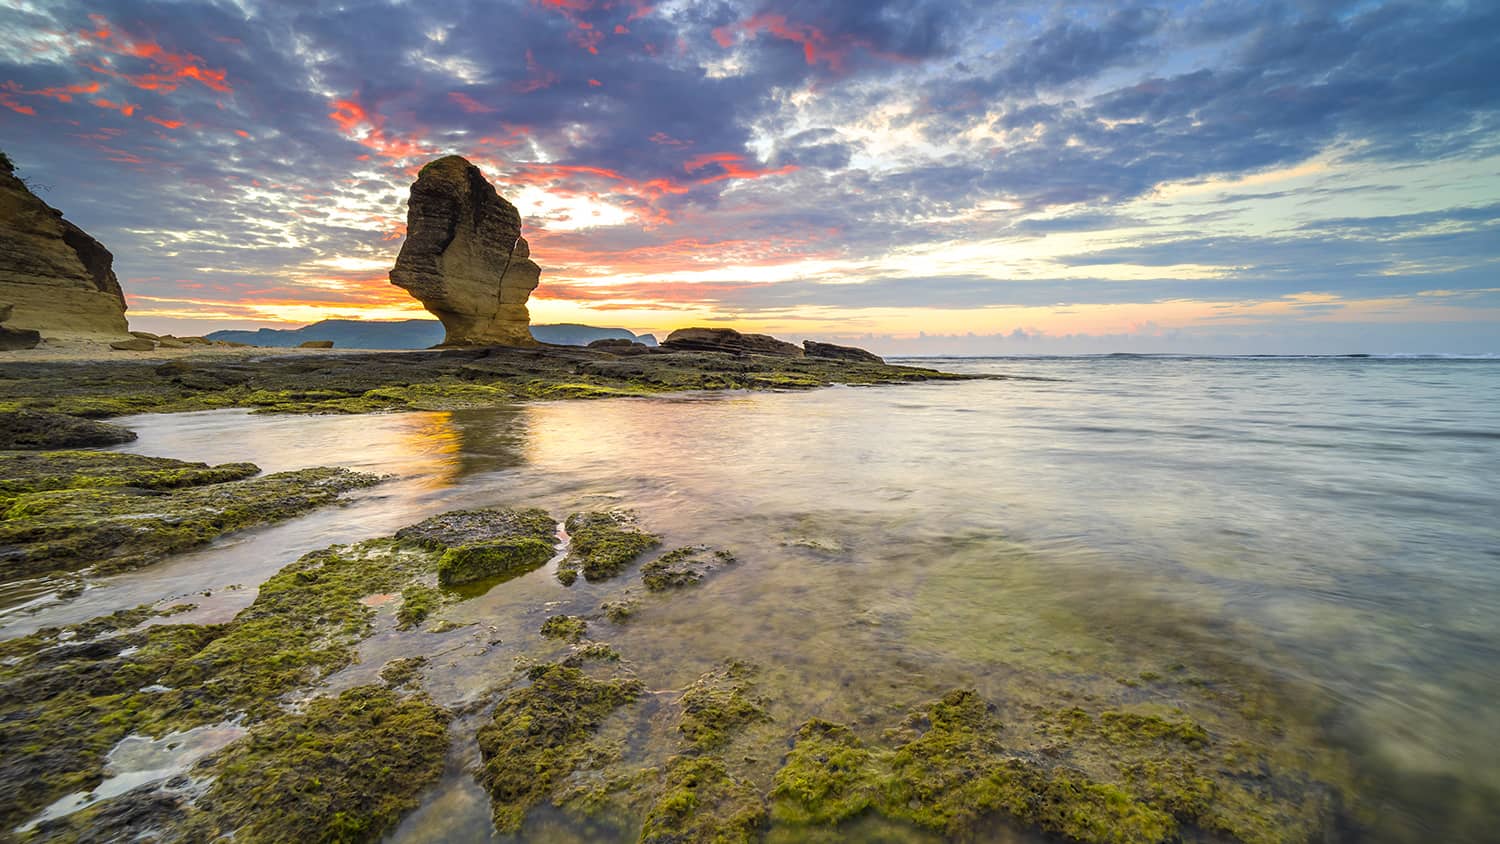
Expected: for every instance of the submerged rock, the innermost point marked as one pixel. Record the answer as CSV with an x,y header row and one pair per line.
x,y
729,340
58,280
464,257
39,429
343,769
683,567
539,734
482,544
603,544
815,349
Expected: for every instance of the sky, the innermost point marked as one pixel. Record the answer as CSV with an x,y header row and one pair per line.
x,y
953,177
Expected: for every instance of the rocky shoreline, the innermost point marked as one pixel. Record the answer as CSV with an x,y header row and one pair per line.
x,y
365,382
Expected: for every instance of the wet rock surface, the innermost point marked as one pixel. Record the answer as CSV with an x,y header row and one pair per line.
x,y
428,380
733,755
683,567
23,429
67,510
482,544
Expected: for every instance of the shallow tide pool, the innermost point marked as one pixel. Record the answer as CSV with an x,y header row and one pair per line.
x,y
1320,537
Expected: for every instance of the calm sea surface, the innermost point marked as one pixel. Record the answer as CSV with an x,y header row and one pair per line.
x,y
1328,526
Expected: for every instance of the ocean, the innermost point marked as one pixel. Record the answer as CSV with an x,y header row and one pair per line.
x,y
1302,549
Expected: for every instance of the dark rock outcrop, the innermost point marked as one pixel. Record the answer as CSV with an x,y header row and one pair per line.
x,y
464,257
315,344
134,344
729,340
39,429
58,280
617,346
815,349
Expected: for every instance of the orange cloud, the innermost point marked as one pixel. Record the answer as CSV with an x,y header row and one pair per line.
x,y
170,67
368,129
817,46
731,166
11,103
123,108
63,93
170,124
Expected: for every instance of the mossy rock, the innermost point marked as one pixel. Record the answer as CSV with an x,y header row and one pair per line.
x,y
682,567
540,733
473,563
701,801
345,768
479,545
602,545
121,514
569,627
68,695
40,429
718,704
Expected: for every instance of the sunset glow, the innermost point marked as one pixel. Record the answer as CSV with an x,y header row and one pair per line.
x,y
922,178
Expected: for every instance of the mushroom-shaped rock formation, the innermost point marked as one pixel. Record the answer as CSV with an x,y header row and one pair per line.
x,y
464,258
55,280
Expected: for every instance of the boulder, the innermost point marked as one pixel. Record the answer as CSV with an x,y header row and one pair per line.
x,y
855,354
464,257
59,281
145,335
167,341
134,344
729,340
617,346
16,339
315,344
41,429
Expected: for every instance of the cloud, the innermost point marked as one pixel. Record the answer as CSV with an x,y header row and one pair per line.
x,y
803,143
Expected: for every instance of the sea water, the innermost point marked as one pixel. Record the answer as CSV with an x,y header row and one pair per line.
x,y
1329,525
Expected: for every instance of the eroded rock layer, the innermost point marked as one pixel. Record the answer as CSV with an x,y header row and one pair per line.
x,y
464,257
56,279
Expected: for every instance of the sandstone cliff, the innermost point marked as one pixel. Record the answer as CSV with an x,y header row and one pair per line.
x,y
464,257
57,279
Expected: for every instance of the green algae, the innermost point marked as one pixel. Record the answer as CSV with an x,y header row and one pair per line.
x,y
828,778
403,671
718,704
1112,778
418,601
343,769
602,545
682,567
70,700
585,652
540,733
67,510
619,612
948,771
569,627
700,801
485,545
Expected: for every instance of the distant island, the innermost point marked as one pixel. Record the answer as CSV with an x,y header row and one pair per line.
x,y
410,334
